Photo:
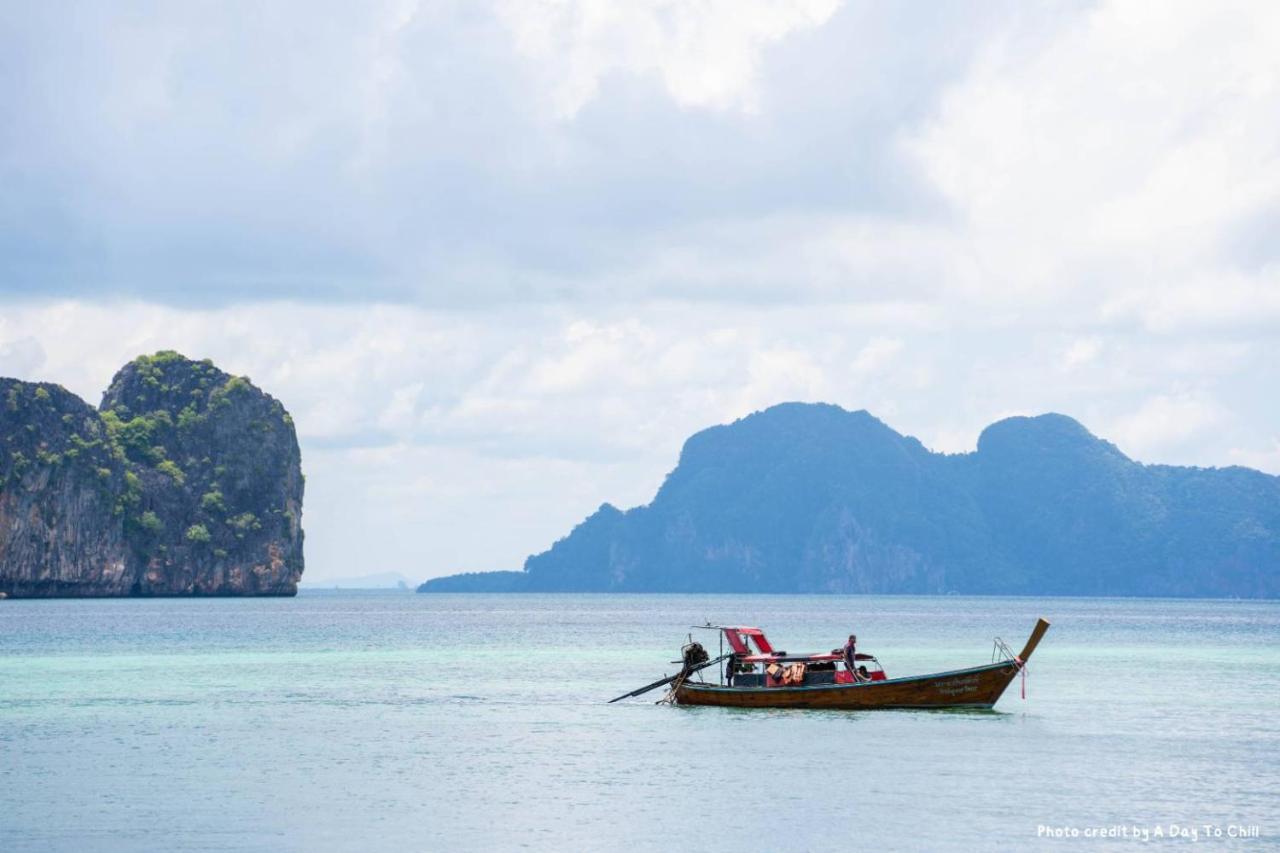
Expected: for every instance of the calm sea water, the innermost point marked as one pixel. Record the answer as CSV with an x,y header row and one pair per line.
x,y
398,721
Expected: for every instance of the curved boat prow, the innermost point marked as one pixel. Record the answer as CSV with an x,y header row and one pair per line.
x,y
1037,634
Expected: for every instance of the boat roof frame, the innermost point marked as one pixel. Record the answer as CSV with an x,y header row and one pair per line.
x,y
767,653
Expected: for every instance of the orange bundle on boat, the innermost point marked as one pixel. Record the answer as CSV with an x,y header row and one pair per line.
x,y
794,674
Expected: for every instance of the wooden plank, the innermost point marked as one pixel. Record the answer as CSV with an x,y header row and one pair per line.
x,y
1037,634
662,681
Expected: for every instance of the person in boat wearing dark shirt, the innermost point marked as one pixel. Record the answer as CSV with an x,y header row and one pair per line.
x,y
851,659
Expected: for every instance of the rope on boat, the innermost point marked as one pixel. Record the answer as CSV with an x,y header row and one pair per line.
x,y
1001,647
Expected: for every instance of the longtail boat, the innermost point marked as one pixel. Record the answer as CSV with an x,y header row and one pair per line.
x,y
758,676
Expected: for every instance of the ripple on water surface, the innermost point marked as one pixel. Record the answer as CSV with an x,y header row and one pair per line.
x,y
409,721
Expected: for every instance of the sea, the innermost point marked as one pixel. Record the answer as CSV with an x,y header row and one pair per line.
x,y
393,721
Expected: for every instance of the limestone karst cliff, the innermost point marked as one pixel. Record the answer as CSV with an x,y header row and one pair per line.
x,y
186,481
811,498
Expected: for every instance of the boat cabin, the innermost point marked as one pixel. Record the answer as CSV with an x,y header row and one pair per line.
x,y
755,663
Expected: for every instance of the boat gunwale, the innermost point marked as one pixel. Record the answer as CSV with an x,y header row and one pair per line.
x,y
704,686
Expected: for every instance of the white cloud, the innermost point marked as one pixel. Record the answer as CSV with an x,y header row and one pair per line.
x,y
1266,459
876,355
399,415
20,356
1223,300
1107,160
1163,422
779,373
705,52
1082,351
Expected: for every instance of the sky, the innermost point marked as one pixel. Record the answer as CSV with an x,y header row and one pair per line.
x,y
499,259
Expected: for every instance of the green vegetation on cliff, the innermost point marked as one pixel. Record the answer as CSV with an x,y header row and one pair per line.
x,y
162,491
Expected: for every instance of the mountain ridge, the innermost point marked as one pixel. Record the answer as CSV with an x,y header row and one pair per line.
x,y
807,497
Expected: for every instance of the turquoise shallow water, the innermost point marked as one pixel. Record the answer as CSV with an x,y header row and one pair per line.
x,y
398,721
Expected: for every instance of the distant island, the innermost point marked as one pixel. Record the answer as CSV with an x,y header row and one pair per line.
x,y
810,498
185,481
376,580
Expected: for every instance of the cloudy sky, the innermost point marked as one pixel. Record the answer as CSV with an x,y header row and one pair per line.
x,y
500,258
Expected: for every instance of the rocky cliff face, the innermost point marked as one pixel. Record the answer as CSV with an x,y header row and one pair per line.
x,y
63,494
186,481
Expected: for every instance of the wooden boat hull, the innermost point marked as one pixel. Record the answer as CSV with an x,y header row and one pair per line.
x,y
978,687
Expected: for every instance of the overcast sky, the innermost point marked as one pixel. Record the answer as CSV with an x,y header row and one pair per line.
x,y
500,259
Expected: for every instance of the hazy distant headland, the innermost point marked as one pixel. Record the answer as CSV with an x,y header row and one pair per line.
x,y
810,498
375,580
185,481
